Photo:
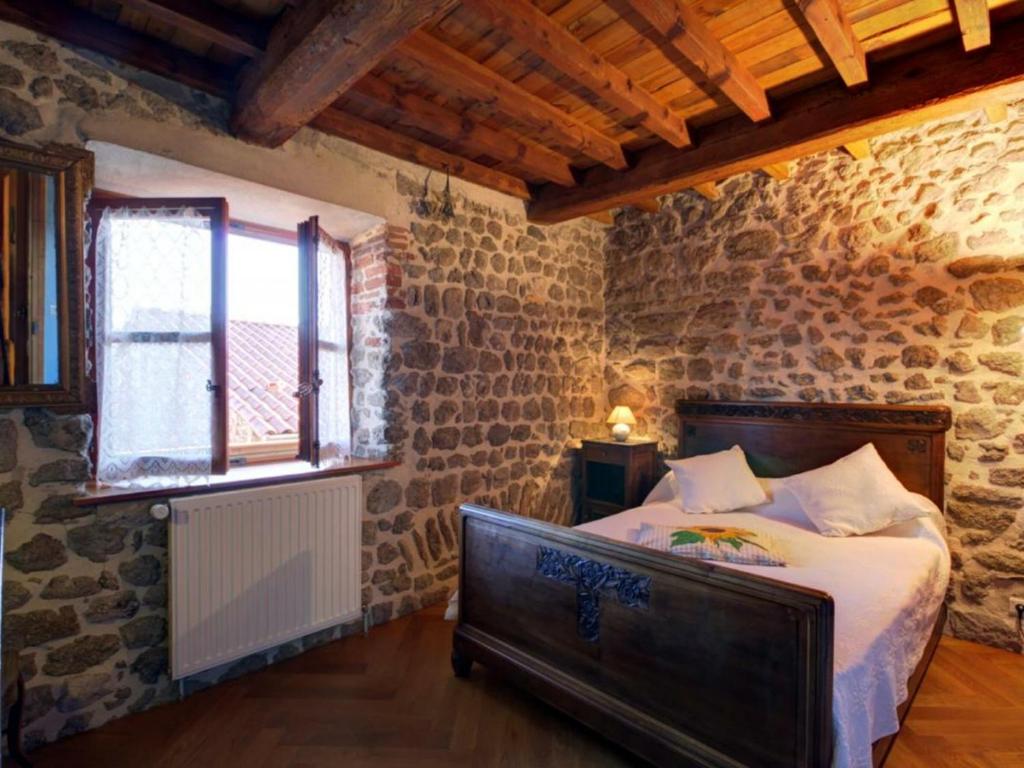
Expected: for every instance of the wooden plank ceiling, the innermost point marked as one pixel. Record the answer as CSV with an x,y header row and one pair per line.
x,y
577,106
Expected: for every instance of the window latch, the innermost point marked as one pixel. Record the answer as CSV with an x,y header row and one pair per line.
x,y
211,387
308,388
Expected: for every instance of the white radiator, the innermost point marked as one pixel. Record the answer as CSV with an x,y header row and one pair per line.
x,y
256,568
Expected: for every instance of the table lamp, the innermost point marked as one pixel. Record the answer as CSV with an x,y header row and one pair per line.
x,y
622,418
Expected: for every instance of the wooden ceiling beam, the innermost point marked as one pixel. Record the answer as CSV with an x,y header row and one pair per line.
x,y
207,21
858,149
535,30
474,81
684,29
314,54
925,85
708,190
466,136
975,27
78,27
347,126
835,33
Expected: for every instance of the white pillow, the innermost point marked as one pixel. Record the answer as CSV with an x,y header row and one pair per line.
x,y
665,492
855,495
717,482
782,505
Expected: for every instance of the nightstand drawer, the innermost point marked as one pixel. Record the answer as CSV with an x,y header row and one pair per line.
x,y
606,453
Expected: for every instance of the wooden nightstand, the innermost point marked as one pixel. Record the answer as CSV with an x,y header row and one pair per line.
x,y
616,476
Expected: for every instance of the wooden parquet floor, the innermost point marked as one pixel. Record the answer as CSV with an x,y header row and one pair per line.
x,y
390,701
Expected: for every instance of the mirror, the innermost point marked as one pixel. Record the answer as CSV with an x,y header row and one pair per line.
x,y
29,290
42,197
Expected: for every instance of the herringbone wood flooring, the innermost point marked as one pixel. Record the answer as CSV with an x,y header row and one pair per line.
x,y
969,712
391,701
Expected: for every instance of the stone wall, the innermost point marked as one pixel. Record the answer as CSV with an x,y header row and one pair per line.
x,y
895,279
478,365
477,358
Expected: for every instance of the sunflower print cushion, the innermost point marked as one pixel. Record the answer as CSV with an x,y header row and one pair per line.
x,y
712,542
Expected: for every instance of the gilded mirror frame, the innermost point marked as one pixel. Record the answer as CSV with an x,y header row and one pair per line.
x,y
72,170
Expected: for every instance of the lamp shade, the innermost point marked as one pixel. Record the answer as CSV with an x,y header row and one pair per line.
x,y
622,415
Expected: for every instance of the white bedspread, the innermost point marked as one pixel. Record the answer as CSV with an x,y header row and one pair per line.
x,y
887,588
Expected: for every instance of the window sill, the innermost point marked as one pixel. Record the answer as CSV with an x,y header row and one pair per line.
x,y
240,478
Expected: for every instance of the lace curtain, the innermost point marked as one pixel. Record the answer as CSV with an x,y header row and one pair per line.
x,y
334,424
154,352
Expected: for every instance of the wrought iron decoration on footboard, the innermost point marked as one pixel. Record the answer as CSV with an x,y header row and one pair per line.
x,y
592,579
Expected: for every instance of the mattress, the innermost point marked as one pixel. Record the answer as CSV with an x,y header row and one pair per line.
x,y
887,588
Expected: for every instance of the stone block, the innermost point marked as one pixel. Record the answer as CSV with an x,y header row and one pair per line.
x,y
32,628
41,553
114,607
141,571
80,654
143,632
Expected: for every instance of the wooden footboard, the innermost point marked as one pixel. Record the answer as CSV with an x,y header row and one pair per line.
x,y
679,661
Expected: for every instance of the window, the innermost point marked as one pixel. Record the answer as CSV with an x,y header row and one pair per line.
x,y
214,347
263,347
324,340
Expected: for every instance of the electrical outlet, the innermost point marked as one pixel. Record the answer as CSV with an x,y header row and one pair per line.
x,y
1016,600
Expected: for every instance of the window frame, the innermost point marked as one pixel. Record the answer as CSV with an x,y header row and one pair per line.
x,y
216,209
221,226
309,236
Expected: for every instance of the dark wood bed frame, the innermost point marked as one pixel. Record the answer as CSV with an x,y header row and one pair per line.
x,y
680,661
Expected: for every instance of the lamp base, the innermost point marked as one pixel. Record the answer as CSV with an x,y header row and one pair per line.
x,y
620,432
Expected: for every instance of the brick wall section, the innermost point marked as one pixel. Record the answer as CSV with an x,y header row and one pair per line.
x,y
895,279
377,270
374,266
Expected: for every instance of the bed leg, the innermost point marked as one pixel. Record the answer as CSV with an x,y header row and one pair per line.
x,y
461,663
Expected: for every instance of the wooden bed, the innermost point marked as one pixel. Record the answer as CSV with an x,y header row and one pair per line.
x,y
615,635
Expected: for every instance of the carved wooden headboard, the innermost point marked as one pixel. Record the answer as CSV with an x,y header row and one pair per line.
x,y
785,438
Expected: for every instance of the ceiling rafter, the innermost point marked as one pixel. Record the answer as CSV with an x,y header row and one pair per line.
x,y
835,33
708,190
475,81
355,129
778,171
975,27
465,134
534,136
684,29
535,30
859,150
314,54
207,21
75,26
905,91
